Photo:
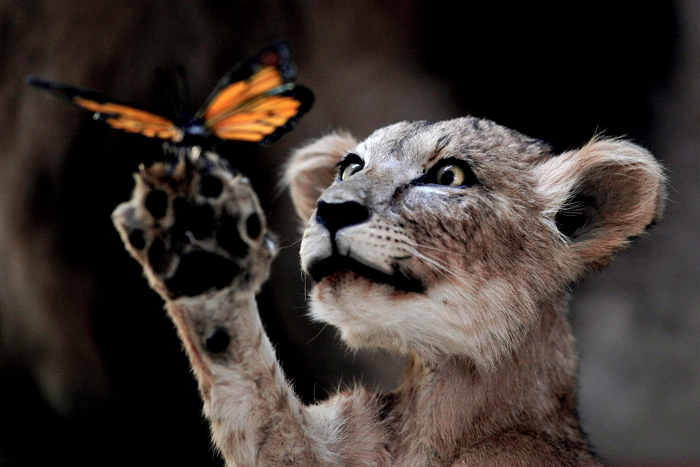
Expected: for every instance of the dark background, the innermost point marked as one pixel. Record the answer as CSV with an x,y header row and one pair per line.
x,y
91,372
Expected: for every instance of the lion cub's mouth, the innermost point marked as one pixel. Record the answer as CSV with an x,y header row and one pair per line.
x,y
336,263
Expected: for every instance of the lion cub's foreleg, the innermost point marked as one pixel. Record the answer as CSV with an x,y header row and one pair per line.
x,y
197,229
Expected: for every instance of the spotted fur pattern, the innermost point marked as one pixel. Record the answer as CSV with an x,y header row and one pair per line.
x,y
470,281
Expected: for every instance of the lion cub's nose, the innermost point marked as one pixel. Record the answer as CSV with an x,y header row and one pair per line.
x,y
335,216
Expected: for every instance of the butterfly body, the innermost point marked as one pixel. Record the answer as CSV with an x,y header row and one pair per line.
x,y
194,127
257,101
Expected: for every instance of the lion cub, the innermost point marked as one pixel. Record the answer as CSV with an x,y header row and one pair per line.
x,y
452,242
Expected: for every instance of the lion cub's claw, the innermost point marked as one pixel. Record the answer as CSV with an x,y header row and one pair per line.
x,y
196,226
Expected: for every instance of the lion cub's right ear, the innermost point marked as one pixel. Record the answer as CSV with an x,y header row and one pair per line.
x,y
312,169
600,197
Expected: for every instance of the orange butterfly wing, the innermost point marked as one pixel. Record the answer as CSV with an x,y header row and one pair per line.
x,y
131,119
257,118
116,114
257,101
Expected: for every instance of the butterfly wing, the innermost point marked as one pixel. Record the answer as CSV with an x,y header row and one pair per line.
x,y
262,119
119,115
257,101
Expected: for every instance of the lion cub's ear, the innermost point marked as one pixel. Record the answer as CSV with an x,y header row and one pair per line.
x,y
600,197
312,169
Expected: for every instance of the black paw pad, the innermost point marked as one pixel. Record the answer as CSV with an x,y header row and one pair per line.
x,y
137,239
156,256
210,186
252,226
201,271
192,218
229,238
157,203
218,341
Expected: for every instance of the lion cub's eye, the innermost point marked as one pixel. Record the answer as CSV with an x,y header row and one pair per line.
x,y
350,166
350,170
450,175
451,172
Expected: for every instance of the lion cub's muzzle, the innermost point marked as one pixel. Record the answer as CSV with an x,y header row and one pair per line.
x,y
343,229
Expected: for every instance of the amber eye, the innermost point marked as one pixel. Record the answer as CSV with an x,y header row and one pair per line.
x,y
350,170
450,175
450,172
350,166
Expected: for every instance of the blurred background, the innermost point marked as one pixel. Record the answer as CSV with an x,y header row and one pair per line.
x,y
91,372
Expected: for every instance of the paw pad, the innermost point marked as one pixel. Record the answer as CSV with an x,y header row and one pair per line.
x,y
137,239
218,341
196,225
210,186
157,203
200,271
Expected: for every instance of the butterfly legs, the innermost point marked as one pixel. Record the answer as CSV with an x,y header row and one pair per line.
x,y
196,227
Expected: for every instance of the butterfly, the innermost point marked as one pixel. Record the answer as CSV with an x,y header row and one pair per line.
x,y
257,101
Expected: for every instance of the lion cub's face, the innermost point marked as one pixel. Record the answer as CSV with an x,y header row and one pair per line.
x,y
445,238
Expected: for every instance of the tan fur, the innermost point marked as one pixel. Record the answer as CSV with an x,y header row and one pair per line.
x,y
469,281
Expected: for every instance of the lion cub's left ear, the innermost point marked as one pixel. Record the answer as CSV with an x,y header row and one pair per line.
x,y
600,197
313,168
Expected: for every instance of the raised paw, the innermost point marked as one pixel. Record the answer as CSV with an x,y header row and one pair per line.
x,y
195,224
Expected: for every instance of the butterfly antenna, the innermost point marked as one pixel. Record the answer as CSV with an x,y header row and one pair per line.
x,y
171,89
184,89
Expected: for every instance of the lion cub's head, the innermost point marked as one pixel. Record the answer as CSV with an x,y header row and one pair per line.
x,y
450,237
